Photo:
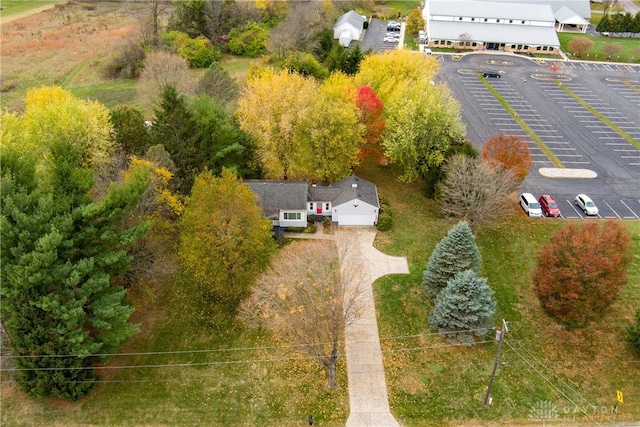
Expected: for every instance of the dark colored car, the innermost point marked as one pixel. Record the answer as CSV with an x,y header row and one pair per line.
x,y
549,206
491,73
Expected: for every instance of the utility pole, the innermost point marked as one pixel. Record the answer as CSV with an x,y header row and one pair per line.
x,y
500,333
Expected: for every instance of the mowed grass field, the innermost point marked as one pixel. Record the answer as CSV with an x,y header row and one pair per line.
x,y
432,383
193,364
630,47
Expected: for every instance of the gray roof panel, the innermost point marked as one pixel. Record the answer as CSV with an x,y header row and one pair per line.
x,y
276,195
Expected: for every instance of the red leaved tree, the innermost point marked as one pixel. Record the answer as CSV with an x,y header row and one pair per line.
x,y
581,271
509,152
371,110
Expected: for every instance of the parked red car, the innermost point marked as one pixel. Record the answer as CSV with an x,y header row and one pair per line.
x,y
549,206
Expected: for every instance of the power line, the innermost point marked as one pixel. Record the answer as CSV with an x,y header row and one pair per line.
x,y
571,387
551,383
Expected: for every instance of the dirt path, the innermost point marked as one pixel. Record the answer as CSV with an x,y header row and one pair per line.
x,y
14,16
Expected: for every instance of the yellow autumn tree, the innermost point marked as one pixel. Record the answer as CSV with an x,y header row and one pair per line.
x,y
334,131
53,114
225,240
422,118
271,109
387,71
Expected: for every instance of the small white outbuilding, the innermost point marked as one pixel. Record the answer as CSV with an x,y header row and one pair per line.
x,y
348,27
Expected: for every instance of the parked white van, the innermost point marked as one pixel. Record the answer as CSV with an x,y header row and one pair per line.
x,y
530,205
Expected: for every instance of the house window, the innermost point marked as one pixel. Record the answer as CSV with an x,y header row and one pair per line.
x,y
326,206
538,48
523,22
292,215
544,48
485,19
473,19
513,46
474,44
460,19
510,21
497,20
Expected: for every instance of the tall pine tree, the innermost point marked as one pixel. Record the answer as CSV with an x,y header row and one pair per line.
x,y
59,253
455,253
175,128
464,309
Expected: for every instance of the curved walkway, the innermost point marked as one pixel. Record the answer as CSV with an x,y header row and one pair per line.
x,y
368,399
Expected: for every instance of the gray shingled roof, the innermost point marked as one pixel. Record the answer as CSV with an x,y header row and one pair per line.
x,y
324,194
356,188
353,18
276,195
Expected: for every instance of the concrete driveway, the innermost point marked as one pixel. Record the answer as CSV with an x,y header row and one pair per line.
x,y
368,398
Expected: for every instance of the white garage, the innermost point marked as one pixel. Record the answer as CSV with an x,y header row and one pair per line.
x,y
357,204
357,219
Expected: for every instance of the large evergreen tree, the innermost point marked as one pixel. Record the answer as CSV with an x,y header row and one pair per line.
x,y
464,309
455,253
175,128
60,252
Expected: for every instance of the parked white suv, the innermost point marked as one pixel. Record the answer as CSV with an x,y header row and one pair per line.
x,y
585,203
530,205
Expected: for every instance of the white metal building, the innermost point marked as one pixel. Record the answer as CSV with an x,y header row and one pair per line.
x,y
491,25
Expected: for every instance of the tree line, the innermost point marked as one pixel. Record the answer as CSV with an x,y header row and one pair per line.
x,y
619,23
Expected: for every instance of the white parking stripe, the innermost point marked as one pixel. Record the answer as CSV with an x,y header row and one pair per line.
x,y
612,210
630,210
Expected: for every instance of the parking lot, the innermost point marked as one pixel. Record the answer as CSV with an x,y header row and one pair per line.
x,y
577,136
374,37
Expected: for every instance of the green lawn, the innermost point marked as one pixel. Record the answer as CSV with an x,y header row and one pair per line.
x,y
630,46
16,7
209,370
193,364
431,383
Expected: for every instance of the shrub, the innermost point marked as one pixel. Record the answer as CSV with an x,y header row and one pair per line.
x,y
633,332
581,271
217,83
580,45
305,64
327,224
384,220
198,52
128,60
249,40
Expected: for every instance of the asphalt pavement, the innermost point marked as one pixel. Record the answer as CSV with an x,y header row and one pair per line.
x,y
577,136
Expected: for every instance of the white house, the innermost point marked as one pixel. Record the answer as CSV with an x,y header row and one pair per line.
x,y
284,202
513,26
351,201
348,27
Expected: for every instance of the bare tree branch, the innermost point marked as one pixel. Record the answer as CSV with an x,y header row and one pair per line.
x,y
475,191
308,296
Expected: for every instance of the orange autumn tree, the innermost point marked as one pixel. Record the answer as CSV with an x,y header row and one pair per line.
x,y
582,270
509,152
371,110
